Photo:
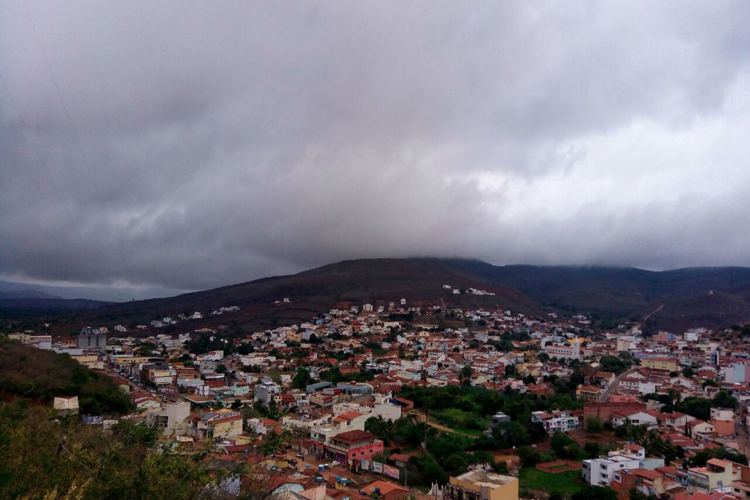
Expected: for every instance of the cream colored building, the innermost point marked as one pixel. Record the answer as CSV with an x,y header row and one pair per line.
x,y
218,424
130,360
716,474
481,485
66,404
667,364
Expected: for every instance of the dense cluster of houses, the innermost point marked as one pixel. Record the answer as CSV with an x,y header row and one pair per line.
x,y
193,397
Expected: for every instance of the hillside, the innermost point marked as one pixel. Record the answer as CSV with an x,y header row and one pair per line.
x,y
313,292
678,299
26,372
20,299
39,306
712,297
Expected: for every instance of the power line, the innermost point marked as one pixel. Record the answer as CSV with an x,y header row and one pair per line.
x,y
43,163
78,140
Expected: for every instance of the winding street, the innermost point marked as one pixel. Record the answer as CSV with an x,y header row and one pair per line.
x,y
743,440
613,386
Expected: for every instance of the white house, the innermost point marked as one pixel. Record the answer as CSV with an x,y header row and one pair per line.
x,y
348,421
722,414
635,418
556,421
601,471
677,420
266,390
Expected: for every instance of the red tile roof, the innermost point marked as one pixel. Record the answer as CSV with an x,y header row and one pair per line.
x,y
354,436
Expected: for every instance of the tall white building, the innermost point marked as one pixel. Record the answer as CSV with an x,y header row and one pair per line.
x,y
266,390
601,471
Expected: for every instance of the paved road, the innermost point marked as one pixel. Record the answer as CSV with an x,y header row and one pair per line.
x,y
742,436
613,386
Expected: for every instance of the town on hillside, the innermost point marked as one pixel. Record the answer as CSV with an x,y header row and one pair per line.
x,y
422,400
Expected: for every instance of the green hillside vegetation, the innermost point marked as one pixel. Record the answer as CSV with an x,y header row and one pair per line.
x,y
40,375
45,457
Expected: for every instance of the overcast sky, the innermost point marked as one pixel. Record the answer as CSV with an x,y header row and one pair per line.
x,y
215,143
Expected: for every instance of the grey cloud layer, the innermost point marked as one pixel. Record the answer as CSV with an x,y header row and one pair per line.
x,y
241,140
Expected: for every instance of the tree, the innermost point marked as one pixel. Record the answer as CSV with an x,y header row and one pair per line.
x,y
657,446
432,472
593,450
630,432
594,425
615,364
42,375
564,446
81,461
695,407
382,428
725,400
455,465
501,467
314,339
245,348
700,459
301,379
510,434
273,443
528,455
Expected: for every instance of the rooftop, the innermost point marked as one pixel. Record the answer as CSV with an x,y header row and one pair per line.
x,y
383,487
354,436
483,478
346,416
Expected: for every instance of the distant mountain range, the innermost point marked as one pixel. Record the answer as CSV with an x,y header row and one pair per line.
x,y
11,289
21,299
26,294
675,300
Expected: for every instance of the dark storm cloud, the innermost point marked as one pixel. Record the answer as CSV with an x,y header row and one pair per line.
x,y
233,141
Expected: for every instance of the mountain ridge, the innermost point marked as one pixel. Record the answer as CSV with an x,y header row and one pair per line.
x,y
714,297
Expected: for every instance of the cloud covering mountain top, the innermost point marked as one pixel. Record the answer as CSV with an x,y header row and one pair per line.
x,y
226,142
